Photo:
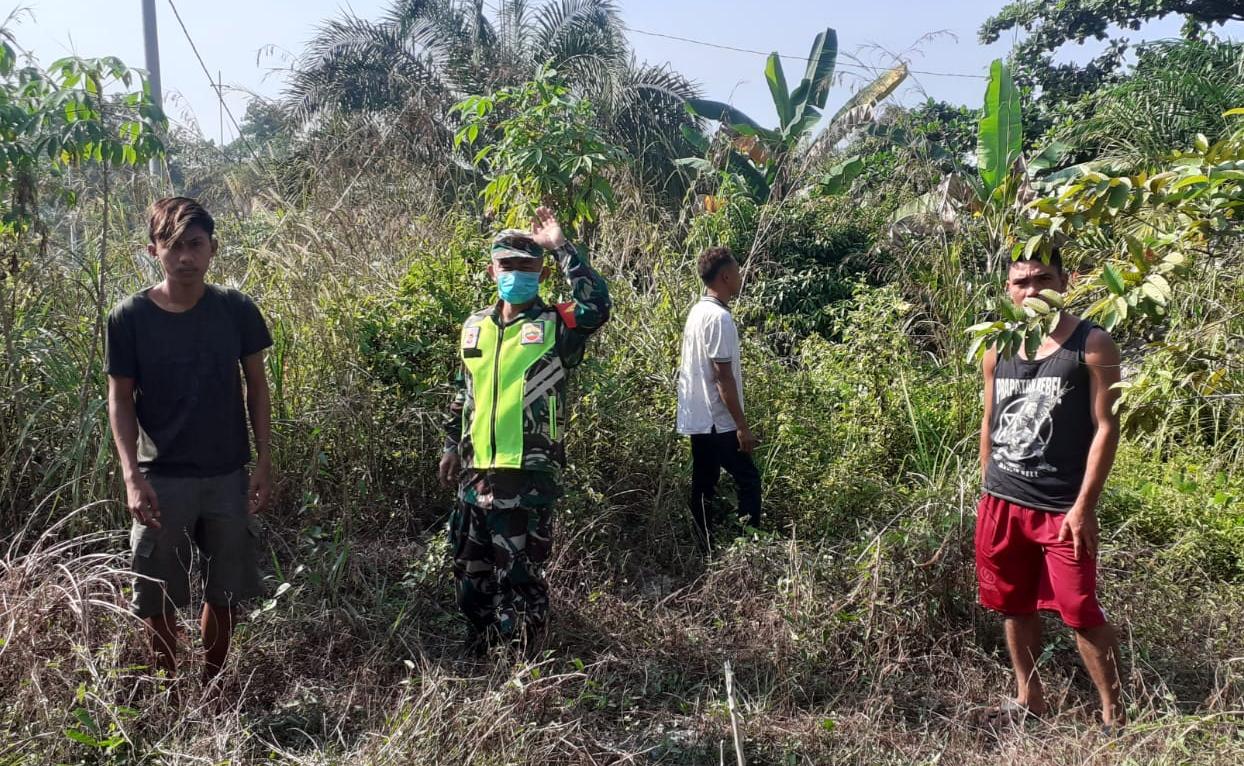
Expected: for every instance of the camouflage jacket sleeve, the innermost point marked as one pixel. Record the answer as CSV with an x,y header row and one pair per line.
x,y
589,309
453,419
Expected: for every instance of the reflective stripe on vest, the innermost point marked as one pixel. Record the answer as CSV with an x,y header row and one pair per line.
x,y
498,363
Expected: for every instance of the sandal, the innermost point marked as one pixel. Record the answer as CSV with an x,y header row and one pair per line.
x,y
1008,715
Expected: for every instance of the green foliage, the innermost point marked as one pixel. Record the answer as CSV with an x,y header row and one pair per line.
x,y
868,419
65,117
1144,230
731,223
837,415
1002,172
1048,26
1177,89
409,341
106,740
822,246
761,158
1184,508
412,65
1000,137
839,177
546,151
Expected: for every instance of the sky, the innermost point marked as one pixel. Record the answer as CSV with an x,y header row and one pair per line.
x,y
251,42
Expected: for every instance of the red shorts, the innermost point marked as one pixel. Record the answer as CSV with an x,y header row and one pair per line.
x,y
1021,566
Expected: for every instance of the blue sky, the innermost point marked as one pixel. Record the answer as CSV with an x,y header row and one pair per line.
x,y
251,41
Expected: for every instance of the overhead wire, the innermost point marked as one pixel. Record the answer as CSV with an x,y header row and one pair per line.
x,y
790,56
219,91
753,51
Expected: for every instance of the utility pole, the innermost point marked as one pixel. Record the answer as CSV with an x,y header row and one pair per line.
x,y
151,46
220,98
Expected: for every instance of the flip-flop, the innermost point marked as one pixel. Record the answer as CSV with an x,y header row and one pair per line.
x,y
1111,730
1007,715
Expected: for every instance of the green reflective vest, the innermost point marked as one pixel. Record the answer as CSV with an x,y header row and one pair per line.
x,y
514,373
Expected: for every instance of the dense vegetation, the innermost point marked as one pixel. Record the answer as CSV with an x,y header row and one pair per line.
x,y
357,214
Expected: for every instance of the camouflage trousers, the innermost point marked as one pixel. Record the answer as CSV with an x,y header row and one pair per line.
x,y
497,554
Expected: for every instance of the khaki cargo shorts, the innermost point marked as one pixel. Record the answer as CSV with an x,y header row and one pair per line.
x,y
207,515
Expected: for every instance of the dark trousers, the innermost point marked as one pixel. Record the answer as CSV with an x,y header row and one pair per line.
x,y
710,453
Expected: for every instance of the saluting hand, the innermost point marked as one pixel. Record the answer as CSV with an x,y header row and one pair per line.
x,y
545,230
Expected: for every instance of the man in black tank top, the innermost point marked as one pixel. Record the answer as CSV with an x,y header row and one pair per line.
x,y
1048,440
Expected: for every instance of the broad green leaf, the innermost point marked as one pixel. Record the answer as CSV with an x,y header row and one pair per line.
x,y
1112,279
1153,293
1189,181
1014,340
1032,245
1118,198
724,113
976,350
1037,305
82,738
755,181
840,176
1050,156
929,203
777,88
1159,281
1121,306
1032,342
1000,130
695,138
813,90
698,164
84,717
982,327
1053,297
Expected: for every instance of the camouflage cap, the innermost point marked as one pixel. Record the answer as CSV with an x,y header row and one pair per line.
x,y
515,243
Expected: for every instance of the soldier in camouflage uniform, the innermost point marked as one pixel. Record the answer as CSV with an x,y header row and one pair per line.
x,y
506,426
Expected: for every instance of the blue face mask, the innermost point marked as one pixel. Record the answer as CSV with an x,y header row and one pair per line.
x,y
518,287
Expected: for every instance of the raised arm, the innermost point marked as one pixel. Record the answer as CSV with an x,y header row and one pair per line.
x,y
590,302
588,289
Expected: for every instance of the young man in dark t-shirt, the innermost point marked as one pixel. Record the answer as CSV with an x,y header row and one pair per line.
x,y
1048,441
179,413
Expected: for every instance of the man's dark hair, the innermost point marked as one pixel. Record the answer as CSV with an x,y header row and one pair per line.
x,y
171,216
1053,257
712,261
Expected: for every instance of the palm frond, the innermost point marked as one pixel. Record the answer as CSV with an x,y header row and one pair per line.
x,y
566,30
1178,89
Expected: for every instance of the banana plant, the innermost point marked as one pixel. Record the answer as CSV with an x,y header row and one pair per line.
x,y
1003,175
761,157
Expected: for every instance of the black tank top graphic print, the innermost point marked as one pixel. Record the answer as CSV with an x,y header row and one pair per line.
x,y
1041,427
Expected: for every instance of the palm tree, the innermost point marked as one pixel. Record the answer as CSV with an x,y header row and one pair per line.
x,y
1179,88
423,55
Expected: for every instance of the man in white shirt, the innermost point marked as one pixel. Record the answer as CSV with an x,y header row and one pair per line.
x,y
710,396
